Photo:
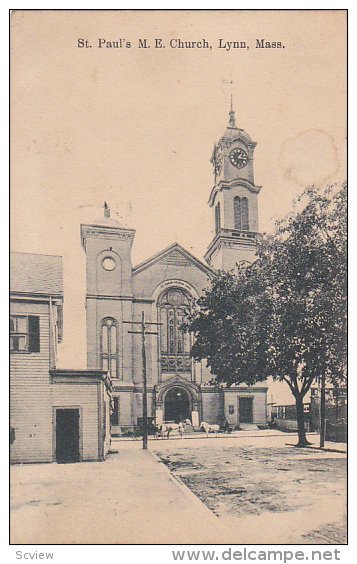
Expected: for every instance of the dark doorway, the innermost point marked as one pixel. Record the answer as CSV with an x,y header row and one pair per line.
x,y
67,435
245,410
177,405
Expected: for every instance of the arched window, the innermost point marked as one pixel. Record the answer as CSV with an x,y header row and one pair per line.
x,y
241,213
109,346
175,343
218,217
237,213
245,214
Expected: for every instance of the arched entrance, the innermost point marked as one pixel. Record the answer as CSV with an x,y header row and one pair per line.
x,y
177,405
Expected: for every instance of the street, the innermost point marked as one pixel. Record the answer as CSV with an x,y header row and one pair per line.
x,y
270,491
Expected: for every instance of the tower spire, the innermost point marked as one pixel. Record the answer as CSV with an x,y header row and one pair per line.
x,y
232,116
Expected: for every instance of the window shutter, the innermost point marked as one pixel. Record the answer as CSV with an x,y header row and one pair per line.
x,y
34,333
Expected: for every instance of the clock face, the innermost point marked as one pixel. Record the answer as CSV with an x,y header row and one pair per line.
x,y
238,157
108,263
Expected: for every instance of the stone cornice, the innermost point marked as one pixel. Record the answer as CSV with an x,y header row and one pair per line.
x,y
248,389
102,232
134,388
241,135
231,238
85,376
36,297
108,297
226,185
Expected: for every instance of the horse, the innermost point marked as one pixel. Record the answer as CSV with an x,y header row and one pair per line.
x,y
208,428
168,427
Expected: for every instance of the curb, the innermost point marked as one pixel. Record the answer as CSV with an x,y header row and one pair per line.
x,y
185,489
327,449
323,449
192,437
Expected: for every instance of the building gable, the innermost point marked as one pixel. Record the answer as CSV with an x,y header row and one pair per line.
x,y
175,255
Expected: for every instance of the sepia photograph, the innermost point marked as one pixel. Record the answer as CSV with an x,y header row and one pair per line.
x,y
178,278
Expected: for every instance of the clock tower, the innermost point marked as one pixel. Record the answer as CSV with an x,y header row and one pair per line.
x,y
233,199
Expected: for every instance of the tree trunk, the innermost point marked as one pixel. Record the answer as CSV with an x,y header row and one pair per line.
x,y
300,416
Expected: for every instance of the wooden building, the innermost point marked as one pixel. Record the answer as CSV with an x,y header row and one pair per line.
x,y
55,415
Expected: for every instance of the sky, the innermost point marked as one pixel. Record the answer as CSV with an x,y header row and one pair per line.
x,y
136,127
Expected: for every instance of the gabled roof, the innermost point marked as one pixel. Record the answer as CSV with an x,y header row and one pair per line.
x,y
175,251
36,274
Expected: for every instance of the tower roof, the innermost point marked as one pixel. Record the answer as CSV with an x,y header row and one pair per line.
x,y
232,131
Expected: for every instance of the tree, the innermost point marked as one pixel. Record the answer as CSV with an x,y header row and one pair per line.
x,y
227,335
285,315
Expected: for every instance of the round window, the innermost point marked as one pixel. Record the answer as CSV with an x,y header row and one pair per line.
x,y
108,263
175,297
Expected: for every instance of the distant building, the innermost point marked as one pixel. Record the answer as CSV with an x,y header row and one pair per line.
x,y
55,415
284,418
335,411
163,287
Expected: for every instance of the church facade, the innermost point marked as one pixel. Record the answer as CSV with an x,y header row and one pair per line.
x,y
163,287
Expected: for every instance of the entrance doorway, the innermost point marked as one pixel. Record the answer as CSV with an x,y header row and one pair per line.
x,y
245,410
177,405
67,435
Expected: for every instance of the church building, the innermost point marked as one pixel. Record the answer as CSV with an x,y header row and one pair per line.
x,y
163,287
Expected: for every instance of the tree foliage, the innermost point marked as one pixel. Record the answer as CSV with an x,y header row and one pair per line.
x,y
285,315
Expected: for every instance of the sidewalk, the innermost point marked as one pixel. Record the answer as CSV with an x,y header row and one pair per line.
x,y
130,498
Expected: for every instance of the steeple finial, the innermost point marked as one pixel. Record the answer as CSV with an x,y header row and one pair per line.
x,y
232,117
106,210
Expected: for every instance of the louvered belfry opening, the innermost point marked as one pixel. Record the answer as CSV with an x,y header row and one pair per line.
x,y
241,214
